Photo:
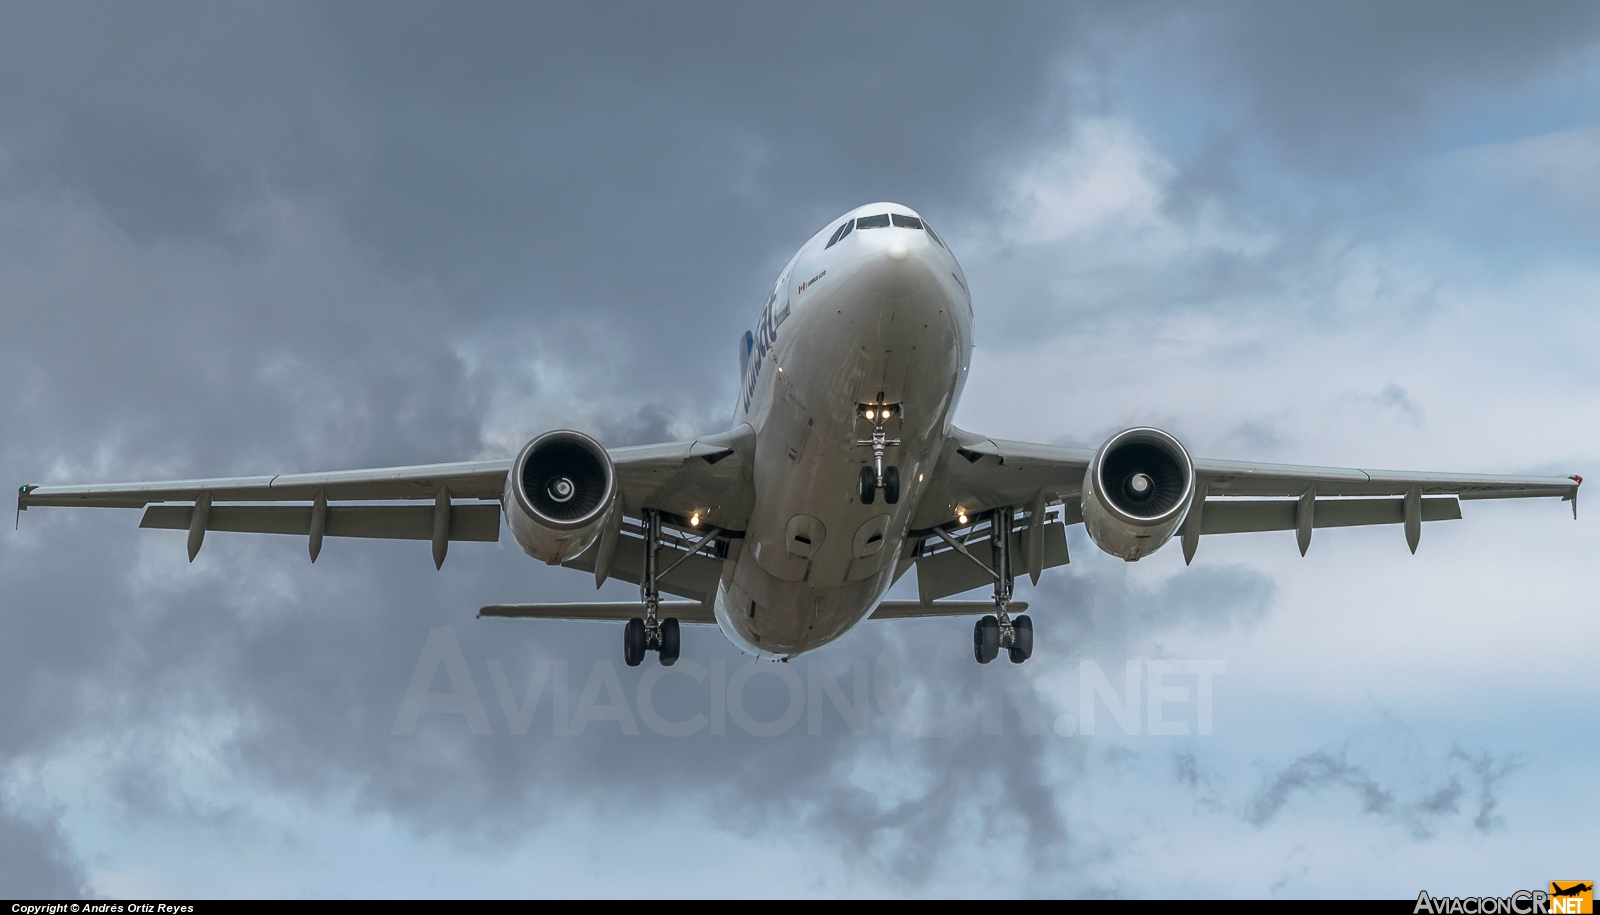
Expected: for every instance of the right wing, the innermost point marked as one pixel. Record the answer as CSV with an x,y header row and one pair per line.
x,y
674,477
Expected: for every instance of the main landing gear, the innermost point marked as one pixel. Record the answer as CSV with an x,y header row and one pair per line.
x,y
650,633
878,476
999,630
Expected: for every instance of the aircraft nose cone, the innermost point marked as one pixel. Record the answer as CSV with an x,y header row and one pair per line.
x,y
900,272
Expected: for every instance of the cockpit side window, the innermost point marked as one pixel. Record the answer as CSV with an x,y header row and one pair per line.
x,y
881,221
907,222
840,232
935,236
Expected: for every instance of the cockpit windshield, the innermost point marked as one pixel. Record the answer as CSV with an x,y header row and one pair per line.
x,y
880,221
839,233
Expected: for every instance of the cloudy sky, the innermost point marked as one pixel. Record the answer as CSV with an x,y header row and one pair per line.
x,y
257,238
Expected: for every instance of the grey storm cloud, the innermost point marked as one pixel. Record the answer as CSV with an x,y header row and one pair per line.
x,y
263,237
1445,791
245,240
35,861
1336,85
589,171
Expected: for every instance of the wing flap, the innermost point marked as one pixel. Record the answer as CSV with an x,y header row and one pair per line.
x,y
695,577
1237,516
943,570
384,522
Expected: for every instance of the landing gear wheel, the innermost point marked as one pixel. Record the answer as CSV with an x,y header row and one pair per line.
x,y
1022,639
891,485
633,642
869,485
986,639
669,642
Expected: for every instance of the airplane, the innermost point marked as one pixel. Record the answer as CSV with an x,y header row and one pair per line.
x,y
840,472
1577,889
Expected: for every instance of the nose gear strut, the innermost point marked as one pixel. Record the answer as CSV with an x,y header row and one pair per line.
x,y
878,476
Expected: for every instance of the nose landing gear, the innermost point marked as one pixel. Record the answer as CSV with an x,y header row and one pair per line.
x,y
878,476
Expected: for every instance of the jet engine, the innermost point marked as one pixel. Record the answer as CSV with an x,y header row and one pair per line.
x,y
1136,492
558,493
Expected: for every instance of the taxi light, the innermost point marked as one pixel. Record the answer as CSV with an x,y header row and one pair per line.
x,y
694,520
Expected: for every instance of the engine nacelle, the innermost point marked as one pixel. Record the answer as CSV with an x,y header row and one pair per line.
x,y
1136,492
557,495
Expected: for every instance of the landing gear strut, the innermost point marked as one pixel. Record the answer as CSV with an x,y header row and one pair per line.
x,y
998,631
878,476
650,633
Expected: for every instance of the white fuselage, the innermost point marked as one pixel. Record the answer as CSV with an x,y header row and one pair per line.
x,y
881,316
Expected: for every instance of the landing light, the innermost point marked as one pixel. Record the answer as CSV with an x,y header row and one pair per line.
x,y
871,414
694,520
961,517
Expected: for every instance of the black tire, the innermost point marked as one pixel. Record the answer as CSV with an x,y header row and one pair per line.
x,y
669,642
1022,644
869,485
891,485
986,639
633,642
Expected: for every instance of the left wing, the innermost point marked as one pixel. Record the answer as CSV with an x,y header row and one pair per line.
x,y
976,474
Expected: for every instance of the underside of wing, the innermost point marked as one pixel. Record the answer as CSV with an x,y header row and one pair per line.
x,y
707,477
975,474
978,479
1243,478
378,503
978,473
466,480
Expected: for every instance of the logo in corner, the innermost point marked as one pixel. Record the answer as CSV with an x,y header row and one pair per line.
x,y
1571,897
